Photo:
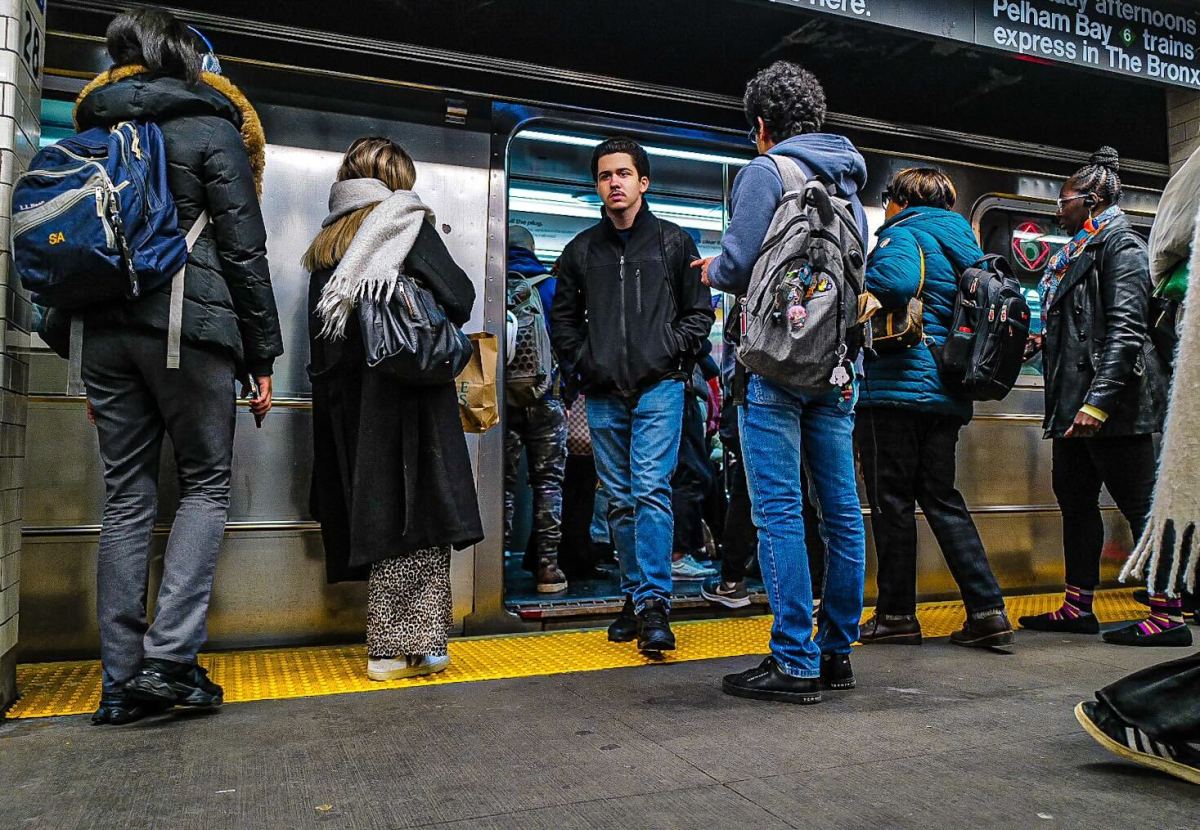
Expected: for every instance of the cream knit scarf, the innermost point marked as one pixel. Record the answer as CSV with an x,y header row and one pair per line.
x,y
1171,526
372,263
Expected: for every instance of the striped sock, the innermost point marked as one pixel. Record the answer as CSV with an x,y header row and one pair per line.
x,y
1076,604
1165,614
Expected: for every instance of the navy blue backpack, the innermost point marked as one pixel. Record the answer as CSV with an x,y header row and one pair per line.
x,y
93,221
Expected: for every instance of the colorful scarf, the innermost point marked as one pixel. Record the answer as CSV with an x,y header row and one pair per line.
x,y
1061,261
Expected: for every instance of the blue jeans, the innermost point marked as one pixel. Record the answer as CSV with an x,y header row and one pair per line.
x,y
774,423
598,530
636,444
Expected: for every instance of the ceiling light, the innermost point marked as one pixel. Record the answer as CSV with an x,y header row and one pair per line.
x,y
651,150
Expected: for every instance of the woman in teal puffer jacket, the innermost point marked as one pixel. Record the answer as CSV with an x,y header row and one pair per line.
x,y
908,423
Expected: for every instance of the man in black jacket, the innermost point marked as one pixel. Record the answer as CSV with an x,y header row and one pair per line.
x,y
629,315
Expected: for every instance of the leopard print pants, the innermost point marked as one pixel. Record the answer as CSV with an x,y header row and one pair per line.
x,y
409,605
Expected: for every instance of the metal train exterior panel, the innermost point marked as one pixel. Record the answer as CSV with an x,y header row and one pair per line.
x,y
271,588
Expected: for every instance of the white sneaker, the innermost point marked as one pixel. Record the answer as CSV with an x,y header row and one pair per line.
x,y
688,569
414,665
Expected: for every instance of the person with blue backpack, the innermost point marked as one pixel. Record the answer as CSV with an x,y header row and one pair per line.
x,y
909,422
163,303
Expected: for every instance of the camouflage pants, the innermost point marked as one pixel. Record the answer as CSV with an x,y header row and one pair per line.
x,y
542,430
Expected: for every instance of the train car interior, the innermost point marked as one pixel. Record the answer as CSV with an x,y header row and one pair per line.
x,y
551,194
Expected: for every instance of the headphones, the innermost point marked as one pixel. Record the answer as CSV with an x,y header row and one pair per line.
x,y
208,61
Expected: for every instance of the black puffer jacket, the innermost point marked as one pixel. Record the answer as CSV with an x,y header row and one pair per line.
x,y
228,302
629,314
1097,350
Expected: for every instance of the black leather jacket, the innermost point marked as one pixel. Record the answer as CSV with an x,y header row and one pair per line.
x,y
1097,351
629,314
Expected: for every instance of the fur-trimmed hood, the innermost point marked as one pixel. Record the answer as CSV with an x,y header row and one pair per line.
x,y
129,93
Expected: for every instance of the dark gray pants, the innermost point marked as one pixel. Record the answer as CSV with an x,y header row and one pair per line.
x,y
136,399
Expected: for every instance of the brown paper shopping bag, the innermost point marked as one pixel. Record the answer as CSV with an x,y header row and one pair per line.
x,y
478,405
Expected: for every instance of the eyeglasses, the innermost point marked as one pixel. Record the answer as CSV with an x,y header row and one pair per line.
x,y
1061,201
752,134
887,197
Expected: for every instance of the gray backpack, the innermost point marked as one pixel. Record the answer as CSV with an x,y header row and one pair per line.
x,y
799,325
530,367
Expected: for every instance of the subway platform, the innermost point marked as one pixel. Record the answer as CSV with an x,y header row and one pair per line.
x,y
572,732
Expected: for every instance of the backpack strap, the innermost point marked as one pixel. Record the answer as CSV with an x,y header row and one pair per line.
x,y
75,357
789,170
175,320
921,283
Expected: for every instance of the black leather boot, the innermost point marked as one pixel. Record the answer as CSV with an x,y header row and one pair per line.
x,y
891,629
624,628
654,628
992,631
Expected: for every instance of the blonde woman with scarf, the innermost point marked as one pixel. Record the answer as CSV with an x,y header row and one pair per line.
x,y
1106,388
392,483
1152,717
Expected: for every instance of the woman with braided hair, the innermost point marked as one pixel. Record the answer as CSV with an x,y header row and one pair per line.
x,y
1106,390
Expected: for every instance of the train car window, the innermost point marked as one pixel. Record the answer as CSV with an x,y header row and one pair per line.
x,y
57,121
551,193
1027,237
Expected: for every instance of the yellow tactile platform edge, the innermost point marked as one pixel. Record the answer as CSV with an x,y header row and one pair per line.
x,y
73,688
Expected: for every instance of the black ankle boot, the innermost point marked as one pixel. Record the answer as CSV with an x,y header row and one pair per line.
x,y
624,627
891,629
654,628
991,631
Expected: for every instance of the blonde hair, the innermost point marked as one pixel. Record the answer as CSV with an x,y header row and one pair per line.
x,y
370,157
924,187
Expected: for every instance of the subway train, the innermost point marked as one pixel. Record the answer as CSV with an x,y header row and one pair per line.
x,y
484,164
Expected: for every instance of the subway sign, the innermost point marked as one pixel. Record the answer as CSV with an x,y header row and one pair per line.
x,y
1156,41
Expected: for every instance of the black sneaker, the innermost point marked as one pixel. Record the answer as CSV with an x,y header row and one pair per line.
x,y
624,628
767,682
1083,624
654,628
176,684
1127,741
729,594
1130,635
836,672
117,708
991,631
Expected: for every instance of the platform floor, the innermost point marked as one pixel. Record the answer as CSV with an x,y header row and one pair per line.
x,y
934,737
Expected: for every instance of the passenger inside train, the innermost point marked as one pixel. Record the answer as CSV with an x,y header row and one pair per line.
x,y
715,360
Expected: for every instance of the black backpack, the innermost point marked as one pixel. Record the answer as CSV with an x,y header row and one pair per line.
x,y
985,348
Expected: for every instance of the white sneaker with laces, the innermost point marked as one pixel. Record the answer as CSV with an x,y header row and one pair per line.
x,y
689,569
413,665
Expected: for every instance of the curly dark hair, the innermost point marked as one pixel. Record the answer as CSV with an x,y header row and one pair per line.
x,y
789,99
622,144
1101,176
